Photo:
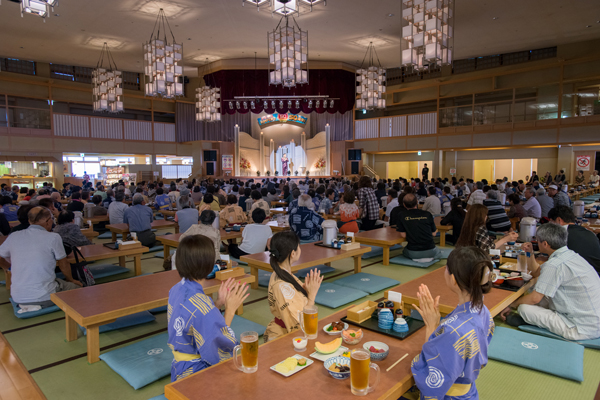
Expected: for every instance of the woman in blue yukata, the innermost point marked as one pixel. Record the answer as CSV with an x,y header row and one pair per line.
x,y
199,335
456,351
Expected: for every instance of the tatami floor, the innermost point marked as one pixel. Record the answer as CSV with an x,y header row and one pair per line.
x,y
61,371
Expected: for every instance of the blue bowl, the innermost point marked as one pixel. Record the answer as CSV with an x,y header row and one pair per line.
x,y
510,243
340,360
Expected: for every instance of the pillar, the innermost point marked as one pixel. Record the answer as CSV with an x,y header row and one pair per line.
x,y
198,158
566,162
261,153
303,144
327,150
271,157
236,157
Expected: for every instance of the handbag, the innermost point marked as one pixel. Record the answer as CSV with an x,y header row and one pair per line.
x,y
79,269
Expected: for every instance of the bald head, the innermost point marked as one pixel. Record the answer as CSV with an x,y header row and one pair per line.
x,y
40,216
304,200
410,201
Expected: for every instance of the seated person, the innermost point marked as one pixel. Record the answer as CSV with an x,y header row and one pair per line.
x,y
184,200
349,213
432,203
56,199
516,209
259,202
140,218
497,219
272,195
33,254
380,192
469,327
245,196
211,339
392,202
162,200
306,223
566,295
209,203
580,240
295,196
326,205
69,232
456,218
117,208
4,225
8,209
396,211
232,213
186,217
23,218
197,194
76,204
206,228
49,204
98,209
446,200
288,296
256,237
532,207
418,227
474,231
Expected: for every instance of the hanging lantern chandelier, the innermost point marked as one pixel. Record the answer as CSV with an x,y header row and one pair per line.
x,y
163,62
208,102
106,82
429,33
41,8
371,82
288,54
284,7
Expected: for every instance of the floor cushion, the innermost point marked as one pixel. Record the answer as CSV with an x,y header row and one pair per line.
x,y
445,252
2,282
333,296
536,330
155,248
263,278
32,314
324,269
143,362
555,357
125,322
238,261
377,251
367,282
401,260
241,325
158,310
108,235
104,270
161,397
161,254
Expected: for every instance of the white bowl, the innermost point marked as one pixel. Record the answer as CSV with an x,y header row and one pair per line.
x,y
334,333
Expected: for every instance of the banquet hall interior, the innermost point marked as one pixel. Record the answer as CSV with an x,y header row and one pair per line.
x,y
119,101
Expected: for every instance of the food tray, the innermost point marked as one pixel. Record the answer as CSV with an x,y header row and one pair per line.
x,y
372,325
321,244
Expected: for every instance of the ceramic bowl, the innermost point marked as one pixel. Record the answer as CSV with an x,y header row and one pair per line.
x,y
379,345
340,360
352,340
336,332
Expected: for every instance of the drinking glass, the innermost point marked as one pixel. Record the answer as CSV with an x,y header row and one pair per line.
x,y
360,366
309,321
249,348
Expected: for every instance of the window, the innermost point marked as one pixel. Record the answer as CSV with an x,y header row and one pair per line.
x,y
17,66
92,169
176,171
71,73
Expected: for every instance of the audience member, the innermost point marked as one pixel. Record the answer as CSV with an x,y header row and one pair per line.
x,y
232,214
245,196
532,207
117,208
8,209
306,223
258,202
256,237
559,197
432,203
326,204
69,232
162,201
349,213
184,200
97,209
516,209
392,202
546,203
367,202
206,228
497,220
456,218
477,197
418,227
140,218
474,231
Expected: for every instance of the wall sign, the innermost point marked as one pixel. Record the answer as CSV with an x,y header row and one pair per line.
x,y
227,161
276,118
583,163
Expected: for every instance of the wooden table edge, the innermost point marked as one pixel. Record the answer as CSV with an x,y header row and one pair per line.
x,y
356,252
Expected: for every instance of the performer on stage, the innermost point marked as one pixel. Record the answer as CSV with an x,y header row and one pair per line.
x,y
284,165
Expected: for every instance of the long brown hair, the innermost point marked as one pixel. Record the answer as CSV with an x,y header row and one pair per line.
x,y
476,217
469,265
282,245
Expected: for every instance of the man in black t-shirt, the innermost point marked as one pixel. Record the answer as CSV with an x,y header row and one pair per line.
x,y
418,227
425,172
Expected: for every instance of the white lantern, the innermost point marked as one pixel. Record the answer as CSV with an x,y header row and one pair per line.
x,y
106,85
288,55
370,87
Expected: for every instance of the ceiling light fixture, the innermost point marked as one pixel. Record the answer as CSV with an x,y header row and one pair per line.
x,y
284,7
429,33
288,54
41,8
371,82
106,84
208,101
163,59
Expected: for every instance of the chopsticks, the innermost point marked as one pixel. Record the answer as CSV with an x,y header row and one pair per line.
x,y
396,363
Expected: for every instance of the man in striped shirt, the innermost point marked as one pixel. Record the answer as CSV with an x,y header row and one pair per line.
x,y
497,219
477,197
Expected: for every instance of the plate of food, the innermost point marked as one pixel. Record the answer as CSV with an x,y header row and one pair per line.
x,y
328,350
335,328
292,365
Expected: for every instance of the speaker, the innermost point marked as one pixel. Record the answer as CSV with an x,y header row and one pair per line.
x,y
354,167
210,155
354,155
210,169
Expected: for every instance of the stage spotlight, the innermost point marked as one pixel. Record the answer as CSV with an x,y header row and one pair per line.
x,y
266,105
245,105
331,104
252,104
297,104
273,104
231,105
289,104
324,103
237,105
310,104
318,103
280,103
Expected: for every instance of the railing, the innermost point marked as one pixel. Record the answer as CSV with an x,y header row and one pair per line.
x,y
370,172
404,125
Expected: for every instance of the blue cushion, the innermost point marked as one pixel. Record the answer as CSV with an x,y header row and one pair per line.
x,y
108,235
161,397
444,252
158,310
555,357
367,282
536,330
401,260
324,269
2,282
263,278
155,248
241,325
32,314
143,362
161,254
377,251
125,322
238,261
104,270
333,296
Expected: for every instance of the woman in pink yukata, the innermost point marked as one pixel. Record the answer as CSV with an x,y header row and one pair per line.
x,y
456,349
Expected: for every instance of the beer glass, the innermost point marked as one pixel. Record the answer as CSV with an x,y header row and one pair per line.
x,y
309,321
249,348
360,365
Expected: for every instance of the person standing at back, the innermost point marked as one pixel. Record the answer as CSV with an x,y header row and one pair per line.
x,y
367,202
425,172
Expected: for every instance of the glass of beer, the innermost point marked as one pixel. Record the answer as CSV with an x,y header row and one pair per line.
x,y
249,349
309,321
360,366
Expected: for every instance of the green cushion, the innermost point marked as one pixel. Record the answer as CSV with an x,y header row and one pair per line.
x,y
555,357
592,344
143,362
367,282
333,296
108,235
32,314
104,270
240,325
161,397
155,248
377,251
401,260
125,322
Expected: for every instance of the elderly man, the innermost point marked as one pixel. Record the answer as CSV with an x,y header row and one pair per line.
x,y
477,197
305,222
546,202
418,227
432,202
533,208
33,254
566,295
139,217
392,202
560,198
117,209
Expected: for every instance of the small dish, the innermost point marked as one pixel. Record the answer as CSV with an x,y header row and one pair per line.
x,y
324,357
295,370
300,343
339,360
377,345
348,339
332,332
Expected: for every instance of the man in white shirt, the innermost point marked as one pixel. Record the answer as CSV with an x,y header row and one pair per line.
x,y
432,203
594,178
532,206
392,202
255,237
464,188
117,208
477,197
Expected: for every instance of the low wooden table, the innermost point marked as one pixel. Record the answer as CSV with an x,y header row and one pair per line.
x,y
279,210
123,229
98,305
169,241
276,204
496,300
383,237
311,255
275,227
95,252
89,233
312,382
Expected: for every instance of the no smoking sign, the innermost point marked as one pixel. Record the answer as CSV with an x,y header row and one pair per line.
x,y
583,163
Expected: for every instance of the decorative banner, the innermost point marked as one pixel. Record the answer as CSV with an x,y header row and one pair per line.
x,y
583,163
273,119
227,161
452,171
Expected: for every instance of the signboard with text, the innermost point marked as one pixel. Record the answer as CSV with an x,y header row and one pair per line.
x,y
276,118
